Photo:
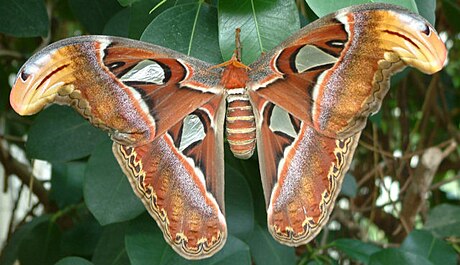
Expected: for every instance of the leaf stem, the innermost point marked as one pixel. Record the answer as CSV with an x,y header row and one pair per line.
x,y
257,26
193,28
157,6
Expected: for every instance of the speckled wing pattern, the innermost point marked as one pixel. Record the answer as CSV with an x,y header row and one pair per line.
x,y
177,184
323,83
305,103
164,112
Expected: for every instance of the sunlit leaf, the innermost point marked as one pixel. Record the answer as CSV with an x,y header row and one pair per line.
x,y
356,249
322,8
426,245
444,221
189,28
263,24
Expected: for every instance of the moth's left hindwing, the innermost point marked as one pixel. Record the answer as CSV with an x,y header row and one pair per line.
x,y
179,178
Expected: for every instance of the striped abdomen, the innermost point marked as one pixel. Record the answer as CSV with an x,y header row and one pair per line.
x,y
240,123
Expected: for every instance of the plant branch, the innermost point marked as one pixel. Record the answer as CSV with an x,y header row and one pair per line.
x,y
13,167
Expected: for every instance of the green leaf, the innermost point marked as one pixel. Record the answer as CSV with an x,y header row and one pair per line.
x,y
356,249
265,250
10,252
264,24
111,247
118,25
94,14
238,204
107,191
349,186
127,2
145,243
189,28
60,134
249,168
67,183
444,221
393,256
82,238
141,16
73,261
451,9
23,18
322,8
426,245
427,9
41,245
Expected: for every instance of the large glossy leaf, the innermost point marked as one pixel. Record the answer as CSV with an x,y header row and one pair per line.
x,y
426,245
141,15
10,252
111,247
67,183
107,191
249,168
356,249
73,261
264,24
60,134
265,250
322,8
238,204
23,18
235,251
189,28
427,9
444,221
392,256
83,236
94,14
118,25
142,12
145,244
41,245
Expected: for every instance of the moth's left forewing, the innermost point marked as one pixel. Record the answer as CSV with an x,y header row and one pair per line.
x,y
180,179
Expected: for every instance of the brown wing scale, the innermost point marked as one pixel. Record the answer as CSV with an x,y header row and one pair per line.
x,y
335,72
182,191
95,75
310,96
328,78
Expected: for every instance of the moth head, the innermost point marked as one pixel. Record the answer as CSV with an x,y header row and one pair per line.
x,y
39,81
414,40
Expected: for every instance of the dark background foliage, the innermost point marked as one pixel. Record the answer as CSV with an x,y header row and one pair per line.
x,y
399,203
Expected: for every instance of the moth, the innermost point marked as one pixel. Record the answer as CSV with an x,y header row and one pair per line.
x,y
304,104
